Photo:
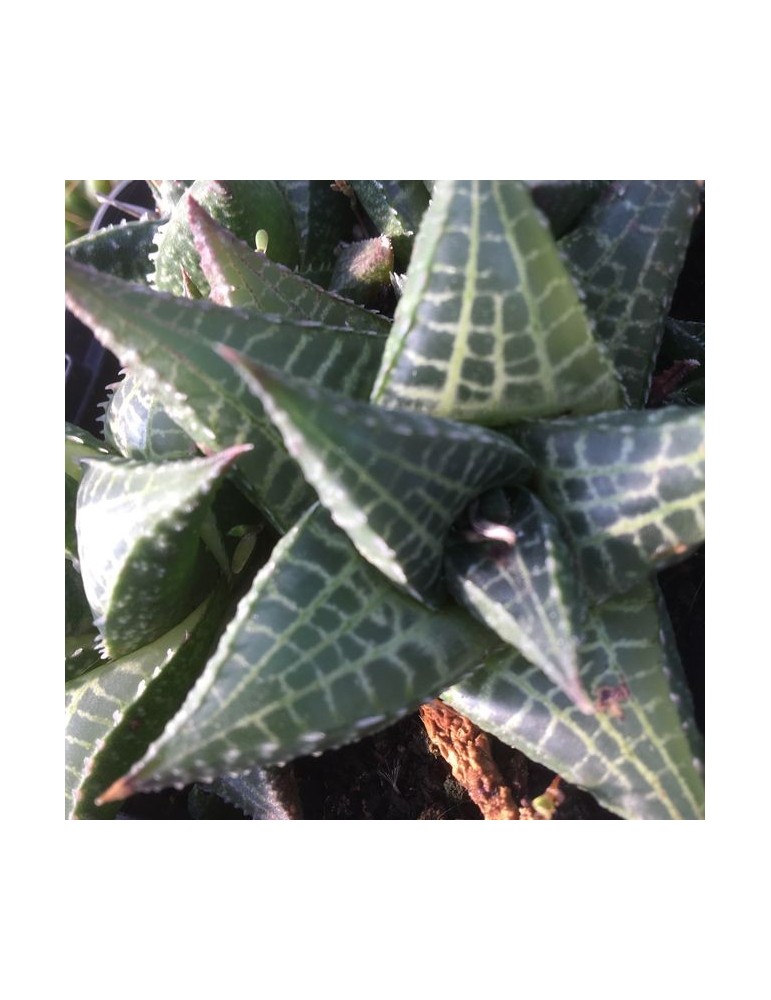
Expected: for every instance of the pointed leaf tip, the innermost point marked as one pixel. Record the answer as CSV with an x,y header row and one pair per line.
x,y
120,789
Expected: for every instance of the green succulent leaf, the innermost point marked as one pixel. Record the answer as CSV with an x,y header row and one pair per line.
x,y
240,276
139,542
396,208
363,271
262,793
635,754
82,653
243,207
564,202
118,708
514,572
626,256
628,488
322,651
394,482
79,444
682,341
490,327
122,250
168,342
137,425
324,220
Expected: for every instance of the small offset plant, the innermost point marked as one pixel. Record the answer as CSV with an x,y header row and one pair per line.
x,y
377,443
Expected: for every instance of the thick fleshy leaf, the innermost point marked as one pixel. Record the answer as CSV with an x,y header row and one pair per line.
x,y
244,207
490,327
363,271
682,340
118,708
240,276
138,425
396,208
628,488
139,530
324,220
168,342
322,651
635,755
564,202
517,576
394,482
626,256
122,250
79,444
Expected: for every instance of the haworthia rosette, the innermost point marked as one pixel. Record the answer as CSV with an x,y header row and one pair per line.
x,y
240,276
626,256
139,527
521,583
168,342
628,488
635,754
322,651
490,327
394,482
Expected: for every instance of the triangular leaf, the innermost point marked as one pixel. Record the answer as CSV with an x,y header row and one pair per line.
x,y
168,342
122,250
244,207
626,256
322,651
324,220
118,708
490,327
634,755
139,540
394,482
628,488
264,793
517,577
240,276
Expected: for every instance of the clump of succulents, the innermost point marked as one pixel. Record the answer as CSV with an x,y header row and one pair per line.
x,y
379,442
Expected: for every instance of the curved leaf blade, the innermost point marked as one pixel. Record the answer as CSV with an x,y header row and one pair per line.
x,y
635,755
490,327
322,651
324,220
118,708
169,341
524,588
138,426
626,256
242,277
139,530
122,250
628,488
394,482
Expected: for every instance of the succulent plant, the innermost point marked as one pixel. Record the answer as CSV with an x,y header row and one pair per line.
x,y
307,517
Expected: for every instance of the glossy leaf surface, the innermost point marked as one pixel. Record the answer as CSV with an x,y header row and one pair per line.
x,y
628,488
634,755
122,250
490,327
322,651
139,541
524,589
394,482
169,343
138,425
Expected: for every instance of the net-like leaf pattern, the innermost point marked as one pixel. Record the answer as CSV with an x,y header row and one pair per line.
x,y
490,327
628,488
168,342
322,651
263,793
139,426
138,527
627,256
239,276
635,756
324,220
525,590
394,482
118,708
122,250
